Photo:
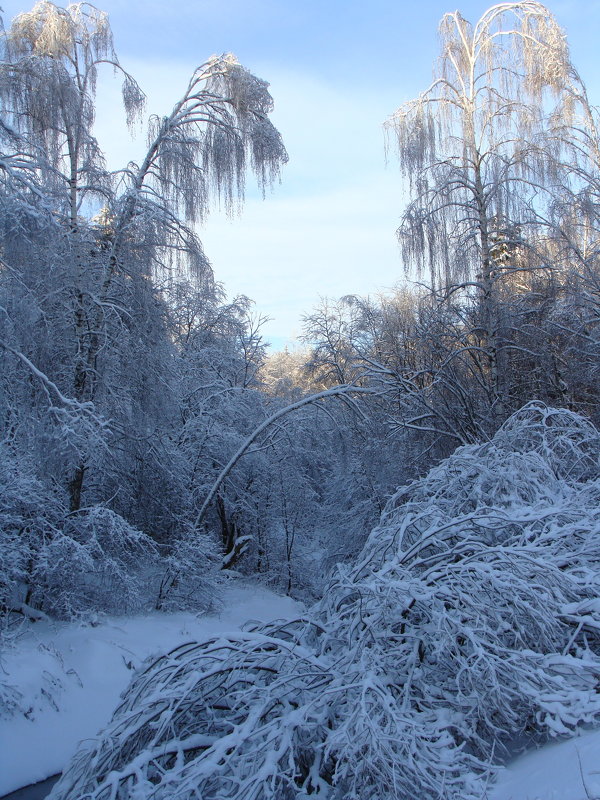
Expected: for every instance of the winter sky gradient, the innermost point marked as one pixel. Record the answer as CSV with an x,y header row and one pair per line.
x,y
337,69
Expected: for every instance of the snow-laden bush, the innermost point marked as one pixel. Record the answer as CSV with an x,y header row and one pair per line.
x,y
189,574
215,720
472,618
29,517
76,564
96,562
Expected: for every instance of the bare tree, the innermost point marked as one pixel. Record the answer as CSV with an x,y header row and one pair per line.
x,y
329,332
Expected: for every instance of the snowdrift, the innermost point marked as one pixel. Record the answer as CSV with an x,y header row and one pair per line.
x,y
470,621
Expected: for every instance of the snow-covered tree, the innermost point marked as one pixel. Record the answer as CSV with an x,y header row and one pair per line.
x,y
470,618
47,87
478,151
90,316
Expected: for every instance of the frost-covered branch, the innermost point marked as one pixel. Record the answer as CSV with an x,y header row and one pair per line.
x,y
470,617
337,391
68,402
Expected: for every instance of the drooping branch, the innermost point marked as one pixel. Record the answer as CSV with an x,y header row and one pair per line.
x,y
68,402
336,391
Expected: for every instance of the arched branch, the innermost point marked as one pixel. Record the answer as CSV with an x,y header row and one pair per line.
x,y
336,391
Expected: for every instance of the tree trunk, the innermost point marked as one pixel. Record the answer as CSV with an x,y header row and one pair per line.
x,y
489,303
76,487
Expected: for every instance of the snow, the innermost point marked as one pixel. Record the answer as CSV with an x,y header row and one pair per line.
x,y
563,771
71,676
90,664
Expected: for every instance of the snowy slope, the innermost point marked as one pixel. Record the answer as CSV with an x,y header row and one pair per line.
x,y
71,676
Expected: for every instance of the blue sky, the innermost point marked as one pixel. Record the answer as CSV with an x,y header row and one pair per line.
x,y
337,70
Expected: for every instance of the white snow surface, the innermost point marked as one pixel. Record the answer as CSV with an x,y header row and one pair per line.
x,y
71,676
84,670
568,770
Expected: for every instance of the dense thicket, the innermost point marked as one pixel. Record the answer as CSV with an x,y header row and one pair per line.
x,y
127,378
149,446
469,620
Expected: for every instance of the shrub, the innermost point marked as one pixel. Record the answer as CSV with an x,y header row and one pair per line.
x,y
470,618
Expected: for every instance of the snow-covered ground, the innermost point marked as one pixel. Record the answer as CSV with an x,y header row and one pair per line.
x,y
568,770
70,676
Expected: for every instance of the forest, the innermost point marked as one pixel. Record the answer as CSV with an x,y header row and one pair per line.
x,y
423,472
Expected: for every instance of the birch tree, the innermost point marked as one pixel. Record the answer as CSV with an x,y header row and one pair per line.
x,y
198,153
47,88
480,166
